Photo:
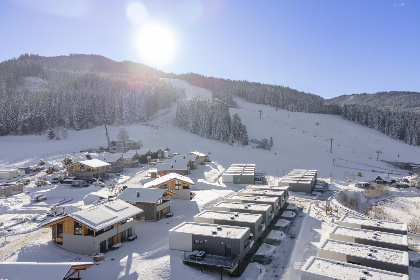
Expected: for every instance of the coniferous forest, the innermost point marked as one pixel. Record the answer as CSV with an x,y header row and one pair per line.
x,y
39,94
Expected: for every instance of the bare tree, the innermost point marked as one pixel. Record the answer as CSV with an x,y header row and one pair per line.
x,y
123,134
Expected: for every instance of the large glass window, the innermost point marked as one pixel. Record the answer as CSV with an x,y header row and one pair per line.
x,y
78,230
59,230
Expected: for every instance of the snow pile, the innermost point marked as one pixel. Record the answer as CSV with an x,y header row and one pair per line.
x,y
288,214
276,234
266,250
282,223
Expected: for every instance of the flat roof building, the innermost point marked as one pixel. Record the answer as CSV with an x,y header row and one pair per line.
x,y
284,189
279,194
370,237
264,209
252,221
239,174
300,180
317,268
258,199
375,257
378,225
220,240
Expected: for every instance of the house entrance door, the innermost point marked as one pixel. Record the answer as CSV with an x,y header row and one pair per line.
x,y
228,250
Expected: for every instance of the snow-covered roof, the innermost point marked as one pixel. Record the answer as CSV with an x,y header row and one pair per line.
x,y
372,235
172,166
107,214
198,154
241,169
94,163
213,230
129,154
143,151
33,270
253,198
267,187
145,195
167,178
261,192
347,271
240,205
185,157
229,216
108,157
374,223
366,252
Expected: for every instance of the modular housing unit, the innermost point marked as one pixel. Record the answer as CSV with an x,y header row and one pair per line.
x,y
279,194
370,224
284,189
11,173
258,199
220,240
10,189
375,257
264,209
300,180
317,268
252,221
239,174
370,237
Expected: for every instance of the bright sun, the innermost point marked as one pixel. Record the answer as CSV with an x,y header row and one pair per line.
x,y
156,44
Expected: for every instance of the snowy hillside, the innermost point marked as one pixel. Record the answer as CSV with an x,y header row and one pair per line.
x,y
300,141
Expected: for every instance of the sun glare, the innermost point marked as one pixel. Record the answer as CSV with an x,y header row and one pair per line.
x,y
156,44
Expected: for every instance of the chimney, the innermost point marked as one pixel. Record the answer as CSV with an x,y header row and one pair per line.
x,y
138,194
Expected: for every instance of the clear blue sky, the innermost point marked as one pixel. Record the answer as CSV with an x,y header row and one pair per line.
x,y
325,47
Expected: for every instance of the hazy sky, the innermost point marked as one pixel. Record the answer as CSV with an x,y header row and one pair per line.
x,y
325,47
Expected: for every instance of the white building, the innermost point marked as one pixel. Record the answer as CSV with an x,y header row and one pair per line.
x,y
323,269
284,189
378,225
375,257
252,221
279,194
370,237
300,180
258,199
239,174
264,209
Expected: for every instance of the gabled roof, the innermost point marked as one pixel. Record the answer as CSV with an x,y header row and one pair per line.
x,y
109,157
144,151
46,271
145,195
102,216
129,154
167,178
94,163
198,154
185,158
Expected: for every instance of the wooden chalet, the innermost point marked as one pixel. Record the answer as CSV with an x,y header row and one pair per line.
x,y
88,169
174,182
155,203
97,229
144,155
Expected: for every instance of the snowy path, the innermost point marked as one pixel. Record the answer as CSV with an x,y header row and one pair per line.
x,y
40,236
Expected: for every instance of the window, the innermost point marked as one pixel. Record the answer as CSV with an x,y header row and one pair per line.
x,y
78,229
177,184
59,230
201,242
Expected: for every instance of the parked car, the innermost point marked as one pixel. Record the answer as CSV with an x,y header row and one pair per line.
x,y
39,197
55,180
68,180
79,183
24,181
42,182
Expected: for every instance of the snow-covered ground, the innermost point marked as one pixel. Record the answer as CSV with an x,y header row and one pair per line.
x,y
300,141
